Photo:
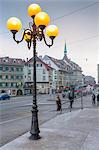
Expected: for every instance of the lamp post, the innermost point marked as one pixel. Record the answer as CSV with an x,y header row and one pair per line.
x,y
31,35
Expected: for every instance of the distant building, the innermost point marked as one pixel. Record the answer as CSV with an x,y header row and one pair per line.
x,y
11,75
43,76
75,73
66,72
89,80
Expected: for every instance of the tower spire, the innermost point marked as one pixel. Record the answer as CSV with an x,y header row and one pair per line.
x,y
65,50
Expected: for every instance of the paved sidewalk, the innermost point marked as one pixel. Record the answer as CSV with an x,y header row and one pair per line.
x,y
76,130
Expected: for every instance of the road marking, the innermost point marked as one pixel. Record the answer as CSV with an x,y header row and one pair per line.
x,y
8,121
11,102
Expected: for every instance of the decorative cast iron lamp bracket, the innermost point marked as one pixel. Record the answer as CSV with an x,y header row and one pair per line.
x,y
33,32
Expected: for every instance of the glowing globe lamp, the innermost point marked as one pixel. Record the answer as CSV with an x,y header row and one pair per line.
x,y
33,9
14,24
52,31
42,19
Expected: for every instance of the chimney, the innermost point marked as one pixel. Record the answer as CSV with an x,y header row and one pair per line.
x,y
27,59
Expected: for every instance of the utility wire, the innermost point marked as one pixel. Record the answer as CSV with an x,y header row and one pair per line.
x,y
75,11
68,14
76,41
88,38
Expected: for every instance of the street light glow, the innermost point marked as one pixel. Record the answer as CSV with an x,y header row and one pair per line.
x,y
51,30
33,9
42,19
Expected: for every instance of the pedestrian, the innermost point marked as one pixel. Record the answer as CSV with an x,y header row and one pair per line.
x,y
71,96
98,99
58,103
93,98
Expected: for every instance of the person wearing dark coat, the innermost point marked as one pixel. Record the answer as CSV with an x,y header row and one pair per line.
x,y
71,96
98,99
58,103
93,98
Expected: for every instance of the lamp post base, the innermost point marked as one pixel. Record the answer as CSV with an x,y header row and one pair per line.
x,y
34,124
34,137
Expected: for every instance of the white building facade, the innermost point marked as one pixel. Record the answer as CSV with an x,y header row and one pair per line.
x,y
44,76
65,72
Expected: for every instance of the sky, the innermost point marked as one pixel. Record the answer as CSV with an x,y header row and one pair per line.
x,y
78,23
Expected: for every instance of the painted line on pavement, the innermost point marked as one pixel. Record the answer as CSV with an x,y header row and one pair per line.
x,y
8,121
11,103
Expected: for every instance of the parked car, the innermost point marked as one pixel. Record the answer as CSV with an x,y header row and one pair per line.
x,y
4,96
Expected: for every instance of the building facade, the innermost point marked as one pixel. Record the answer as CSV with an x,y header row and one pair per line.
x,y
89,80
66,72
60,72
11,75
43,78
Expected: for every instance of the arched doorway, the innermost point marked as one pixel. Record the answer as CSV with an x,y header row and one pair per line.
x,y
19,92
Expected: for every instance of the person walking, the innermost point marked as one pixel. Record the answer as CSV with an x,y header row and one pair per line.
x,y
71,96
93,96
93,99
98,99
58,103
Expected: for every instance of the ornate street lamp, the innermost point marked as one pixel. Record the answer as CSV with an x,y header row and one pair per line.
x,y
31,35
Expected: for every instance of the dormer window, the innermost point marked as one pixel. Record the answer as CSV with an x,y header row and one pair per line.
x,y
14,60
4,60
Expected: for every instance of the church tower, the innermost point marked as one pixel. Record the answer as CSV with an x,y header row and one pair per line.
x,y
65,50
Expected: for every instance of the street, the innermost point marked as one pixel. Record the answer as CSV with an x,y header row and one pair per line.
x,y
15,116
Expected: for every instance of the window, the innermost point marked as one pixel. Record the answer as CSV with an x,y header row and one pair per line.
x,y
55,77
43,71
55,72
29,71
11,84
1,68
42,86
1,84
6,77
41,65
17,77
12,77
6,68
6,84
12,69
0,76
14,60
44,78
17,69
29,65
